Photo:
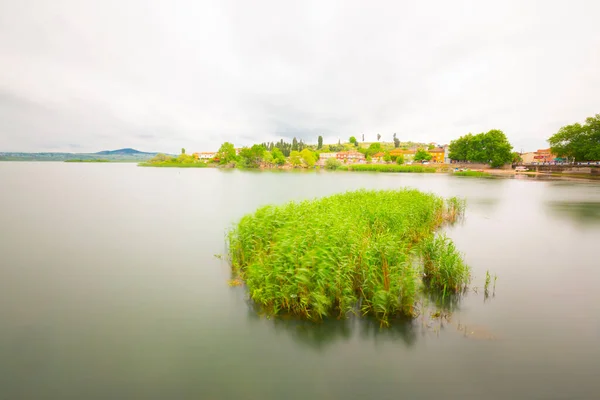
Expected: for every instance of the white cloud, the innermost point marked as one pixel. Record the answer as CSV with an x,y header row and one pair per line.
x,y
164,75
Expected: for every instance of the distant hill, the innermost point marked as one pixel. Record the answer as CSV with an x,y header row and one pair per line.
x,y
127,151
120,155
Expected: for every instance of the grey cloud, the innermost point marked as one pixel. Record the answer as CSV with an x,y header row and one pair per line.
x,y
164,75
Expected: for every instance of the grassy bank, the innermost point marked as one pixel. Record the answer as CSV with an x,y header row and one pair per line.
x,y
353,252
168,164
94,160
388,168
479,174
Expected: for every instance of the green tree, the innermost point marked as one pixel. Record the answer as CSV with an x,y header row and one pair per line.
x,y
320,142
491,148
372,149
336,147
396,141
353,140
332,163
252,156
516,157
182,150
185,159
226,153
295,144
160,157
378,137
268,158
400,159
578,142
278,157
295,158
387,157
308,157
496,148
368,158
422,155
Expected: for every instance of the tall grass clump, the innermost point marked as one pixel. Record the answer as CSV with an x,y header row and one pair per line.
x,y
390,168
344,253
443,266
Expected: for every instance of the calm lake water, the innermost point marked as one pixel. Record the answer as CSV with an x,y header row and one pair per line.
x,y
109,289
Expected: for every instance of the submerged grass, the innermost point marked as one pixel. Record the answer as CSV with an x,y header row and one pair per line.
x,y
480,174
347,252
390,168
170,164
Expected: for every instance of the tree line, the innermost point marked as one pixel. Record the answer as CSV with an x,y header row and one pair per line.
x,y
578,142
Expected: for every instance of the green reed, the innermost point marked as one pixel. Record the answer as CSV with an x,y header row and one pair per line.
x,y
390,168
351,252
479,174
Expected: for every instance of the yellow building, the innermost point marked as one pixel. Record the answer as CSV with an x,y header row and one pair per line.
x,y
437,154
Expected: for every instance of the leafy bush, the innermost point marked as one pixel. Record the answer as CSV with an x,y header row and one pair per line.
x,y
332,163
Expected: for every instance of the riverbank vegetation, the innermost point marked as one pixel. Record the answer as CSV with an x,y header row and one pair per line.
x,y
390,168
181,161
490,148
91,160
359,252
479,174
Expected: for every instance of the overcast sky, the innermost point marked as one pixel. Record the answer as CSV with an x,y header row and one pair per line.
x,y
80,75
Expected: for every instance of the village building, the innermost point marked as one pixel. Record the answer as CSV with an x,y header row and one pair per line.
x,y
205,155
350,156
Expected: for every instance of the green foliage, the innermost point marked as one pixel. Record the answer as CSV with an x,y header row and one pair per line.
x,y
181,161
324,257
332,163
182,150
252,156
185,159
334,148
226,154
320,142
387,157
278,157
378,137
422,155
489,148
516,157
197,164
390,168
479,174
578,142
308,157
295,158
443,265
160,157
91,160
400,159
353,141
268,158
373,148
368,158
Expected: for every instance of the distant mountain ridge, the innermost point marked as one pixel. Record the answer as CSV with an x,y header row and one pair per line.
x,y
122,155
126,151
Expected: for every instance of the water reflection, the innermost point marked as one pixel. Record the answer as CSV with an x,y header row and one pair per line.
x,y
581,212
320,335
483,204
